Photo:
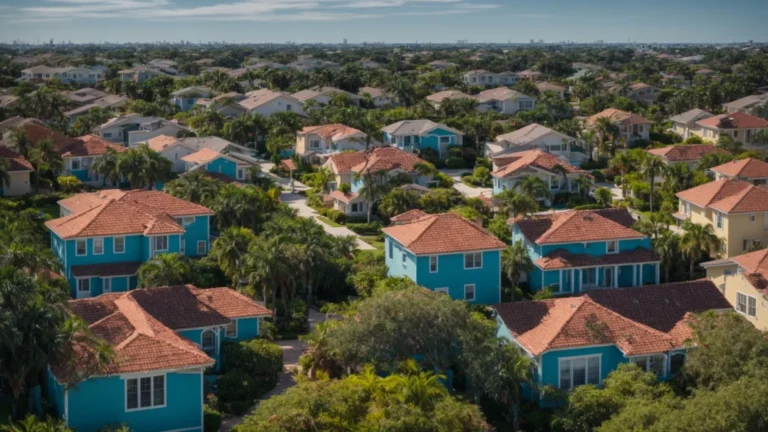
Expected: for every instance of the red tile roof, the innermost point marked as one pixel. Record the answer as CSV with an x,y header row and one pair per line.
x,y
639,320
386,159
203,156
745,168
162,142
516,162
155,200
140,324
728,196
617,115
36,132
562,258
336,131
90,145
578,226
686,152
16,162
408,216
343,197
343,162
443,233
735,120
755,268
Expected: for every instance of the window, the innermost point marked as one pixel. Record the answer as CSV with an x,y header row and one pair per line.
x,y
389,248
407,141
445,140
433,264
160,243
240,174
146,392
612,246
576,371
81,247
201,247
555,148
354,207
676,362
209,342
83,286
75,164
473,260
554,183
746,305
526,104
107,134
653,364
752,218
98,246
608,280
288,107
688,209
314,144
441,290
183,247
719,219
231,329
405,259
469,292
106,284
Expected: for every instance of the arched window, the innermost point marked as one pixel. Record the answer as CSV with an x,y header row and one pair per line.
x,y
209,341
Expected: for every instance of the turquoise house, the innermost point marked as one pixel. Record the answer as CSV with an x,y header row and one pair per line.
x,y
445,253
80,157
386,162
579,250
102,238
186,98
417,135
164,341
579,340
228,166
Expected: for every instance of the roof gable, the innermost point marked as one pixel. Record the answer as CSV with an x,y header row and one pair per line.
x,y
748,168
516,162
576,226
442,233
685,152
728,196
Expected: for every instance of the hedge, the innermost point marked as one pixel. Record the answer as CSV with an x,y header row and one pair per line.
x,y
211,419
255,357
238,390
455,163
373,228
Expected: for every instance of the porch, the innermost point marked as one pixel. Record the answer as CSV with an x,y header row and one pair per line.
x,y
581,279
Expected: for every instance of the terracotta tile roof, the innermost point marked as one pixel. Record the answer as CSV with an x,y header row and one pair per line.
x,y
205,155
735,120
447,94
334,131
386,159
16,162
409,216
288,164
500,94
578,226
562,258
746,168
36,132
515,162
686,152
443,233
162,142
105,270
342,163
343,197
617,115
547,86
90,145
755,268
728,196
639,320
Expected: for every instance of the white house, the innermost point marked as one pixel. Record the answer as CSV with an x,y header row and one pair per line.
x,y
77,75
18,169
323,95
631,126
685,124
328,139
267,102
536,136
746,104
380,97
504,100
132,129
482,77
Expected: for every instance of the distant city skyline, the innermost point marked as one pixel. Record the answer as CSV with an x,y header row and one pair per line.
x,y
391,21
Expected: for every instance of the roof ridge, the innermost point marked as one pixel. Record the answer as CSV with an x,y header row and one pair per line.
x,y
434,218
582,300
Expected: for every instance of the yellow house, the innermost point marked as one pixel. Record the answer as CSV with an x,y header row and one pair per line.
x,y
340,164
743,280
750,170
314,141
737,211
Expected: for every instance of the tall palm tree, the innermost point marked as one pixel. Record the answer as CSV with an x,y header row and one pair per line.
x,y
678,178
698,241
667,247
230,250
562,171
513,204
194,186
46,158
156,168
623,162
398,201
269,265
18,138
588,138
422,390
371,191
164,269
533,187
712,160
607,134
130,165
650,167
515,262
107,167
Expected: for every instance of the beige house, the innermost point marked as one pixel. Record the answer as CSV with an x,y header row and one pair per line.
x,y
741,126
340,164
549,87
314,141
435,99
632,127
324,95
746,104
685,124
743,279
536,136
688,154
737,211
18,170
642,92
380,97
350,203
749,170
482,77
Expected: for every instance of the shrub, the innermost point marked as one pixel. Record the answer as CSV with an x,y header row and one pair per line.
x,y
599,176
373,228
588,207
239,389
561,198
211,419
255,357
455,163
335,215
69,184
595,164
345,188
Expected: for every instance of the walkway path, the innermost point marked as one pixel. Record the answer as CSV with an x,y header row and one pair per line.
x,y
467,191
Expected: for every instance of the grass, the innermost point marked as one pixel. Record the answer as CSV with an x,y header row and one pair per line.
x,y
373,241
327,221
51,210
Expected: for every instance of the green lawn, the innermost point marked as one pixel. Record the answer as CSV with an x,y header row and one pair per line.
x,y
51,210
373,241
328,221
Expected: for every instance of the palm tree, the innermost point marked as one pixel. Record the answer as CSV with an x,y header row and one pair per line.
x,y
697,242
533,187
513,204
164,269
107,167
561,171
604,196
588,138
623,162
130,165
425,169
729,144
398,201
5,177
712,160
607,133
230,249
195,186
32,424
515,262
269,265
678,178
650,167
667,247
371,191
45,156
422,390
277,144
18,138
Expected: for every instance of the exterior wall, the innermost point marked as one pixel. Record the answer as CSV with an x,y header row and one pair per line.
x,y
452,275
501,184
19,184
393,252
174,154
196,232
98,402
247,329
346,208
743,136
735,230
610,358
55,394
223,166
183,103
281,104
196,336
432,140
731,281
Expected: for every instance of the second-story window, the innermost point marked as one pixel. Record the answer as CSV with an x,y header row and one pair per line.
x,y
209,341
161,243
433,264
119,244
612,247
98,246
473,260
719,219
81,248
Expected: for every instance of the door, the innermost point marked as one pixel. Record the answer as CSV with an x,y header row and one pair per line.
x,y
609,277
106,285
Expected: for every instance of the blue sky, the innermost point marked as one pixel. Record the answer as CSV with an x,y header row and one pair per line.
x,y
384,20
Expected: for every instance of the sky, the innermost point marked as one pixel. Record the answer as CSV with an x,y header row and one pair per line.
x,y
393,21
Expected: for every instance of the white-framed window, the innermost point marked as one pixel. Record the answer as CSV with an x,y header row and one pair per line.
x,y
389,248
201,247
182,245
145,392
445,140
314,144
433,264
106,284
83,287
746,304
555,148
652,363
354,208
405,259
75,164
473,260
469,292
719,219
231,329
612,246
687,208
98,246
240,174
160,243
188,220
576,371
208,341
554,183
288,107
442,290
526,104
81,247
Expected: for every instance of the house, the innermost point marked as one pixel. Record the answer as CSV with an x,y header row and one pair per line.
x,y
504,100
184,99
8,102
632,127
684,124
688,154
448,254
103,237
349,203
132,129
108,102
267,102
70,75
441,64
257,63
408,217
641,92
419,135
18,169
380,97
549,87
580,66
741,126
750,170
530,75
384,163
509,168
173,149
227,104
35,131
536,136
314,141
164,341
743,280
80,157
746,104
340,164
437,98
737,211
83,96
485,78
324,95
163,64
580,340
231,165
142,73
579,250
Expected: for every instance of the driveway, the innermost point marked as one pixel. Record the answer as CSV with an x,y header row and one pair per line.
x,y
467,191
